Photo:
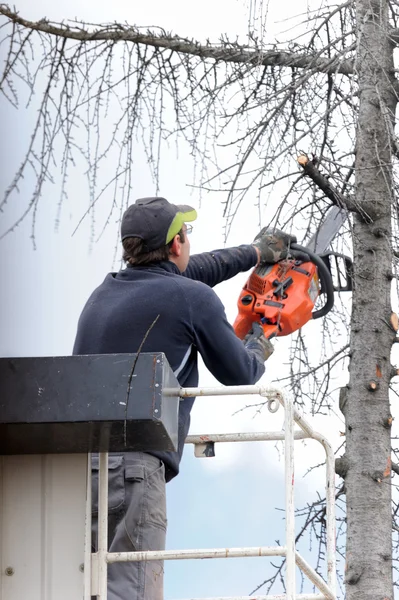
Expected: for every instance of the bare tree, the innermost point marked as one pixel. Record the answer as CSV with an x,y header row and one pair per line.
x,y
331,91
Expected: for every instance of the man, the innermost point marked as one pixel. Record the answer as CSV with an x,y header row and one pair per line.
x,y
164,296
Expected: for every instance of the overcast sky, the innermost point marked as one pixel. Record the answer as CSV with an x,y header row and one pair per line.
x,y
230,500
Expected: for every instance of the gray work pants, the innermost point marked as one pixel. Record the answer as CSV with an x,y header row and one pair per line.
x,y
136,521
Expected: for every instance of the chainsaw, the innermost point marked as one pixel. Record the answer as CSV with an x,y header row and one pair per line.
x,y
282,296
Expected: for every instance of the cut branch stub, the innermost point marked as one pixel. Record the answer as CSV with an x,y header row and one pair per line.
x,y
394,321
341,466
387,423
379,476
309,166
303,160
373,385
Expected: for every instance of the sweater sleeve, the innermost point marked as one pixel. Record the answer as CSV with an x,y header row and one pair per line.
x,y
223,353
219,265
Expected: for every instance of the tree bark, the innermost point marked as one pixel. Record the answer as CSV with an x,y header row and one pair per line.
x,y
368,574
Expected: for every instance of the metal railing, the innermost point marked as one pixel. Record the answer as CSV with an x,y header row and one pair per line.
x,y
96,563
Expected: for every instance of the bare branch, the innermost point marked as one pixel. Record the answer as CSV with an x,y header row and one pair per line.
x,y
226,51
309,167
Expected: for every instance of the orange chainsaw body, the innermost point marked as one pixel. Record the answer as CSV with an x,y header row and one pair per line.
x,y
280,297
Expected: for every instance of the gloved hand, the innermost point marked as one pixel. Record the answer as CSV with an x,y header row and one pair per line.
x,y
256,339
273,244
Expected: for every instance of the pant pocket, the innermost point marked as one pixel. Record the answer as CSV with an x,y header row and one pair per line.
x,y
145,501
156,497
116,483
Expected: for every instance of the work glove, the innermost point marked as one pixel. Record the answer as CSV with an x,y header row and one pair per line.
x,y
256,340
273,244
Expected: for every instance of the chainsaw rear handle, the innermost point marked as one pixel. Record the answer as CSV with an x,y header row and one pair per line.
x,y
324,276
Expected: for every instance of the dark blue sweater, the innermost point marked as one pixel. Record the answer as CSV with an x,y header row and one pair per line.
x,y
191,319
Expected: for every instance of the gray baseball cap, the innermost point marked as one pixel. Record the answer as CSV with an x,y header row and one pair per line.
x,y
155,220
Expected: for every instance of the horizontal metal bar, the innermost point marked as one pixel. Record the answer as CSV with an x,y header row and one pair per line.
x,y
113,557
227,390
262,436
278,597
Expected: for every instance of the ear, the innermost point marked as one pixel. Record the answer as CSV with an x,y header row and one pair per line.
x,y
176,246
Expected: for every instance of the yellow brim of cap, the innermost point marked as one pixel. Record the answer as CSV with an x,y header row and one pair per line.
x,y
179,219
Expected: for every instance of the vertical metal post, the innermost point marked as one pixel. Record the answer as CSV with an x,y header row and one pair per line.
x,y
330,498
87,554
289,499
102,525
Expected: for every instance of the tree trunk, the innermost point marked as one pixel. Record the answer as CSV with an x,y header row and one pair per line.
x,y
366,409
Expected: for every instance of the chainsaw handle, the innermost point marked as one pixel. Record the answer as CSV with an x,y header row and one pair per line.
x,y
325,278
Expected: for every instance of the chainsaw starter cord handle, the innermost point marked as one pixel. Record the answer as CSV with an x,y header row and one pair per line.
x,y
325,278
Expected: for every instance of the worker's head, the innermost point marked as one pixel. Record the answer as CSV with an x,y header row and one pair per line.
x,y
154,230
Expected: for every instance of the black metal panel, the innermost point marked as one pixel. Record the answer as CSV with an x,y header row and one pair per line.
x,y
82,403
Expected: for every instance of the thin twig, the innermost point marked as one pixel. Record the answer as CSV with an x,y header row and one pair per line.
x,y
132,372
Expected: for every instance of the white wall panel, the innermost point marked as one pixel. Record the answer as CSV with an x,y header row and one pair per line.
x,y
42,526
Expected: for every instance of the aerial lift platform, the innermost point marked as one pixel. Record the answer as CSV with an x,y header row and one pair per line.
x,y
54,412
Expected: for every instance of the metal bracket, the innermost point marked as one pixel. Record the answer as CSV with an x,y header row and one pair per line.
x,y
205,450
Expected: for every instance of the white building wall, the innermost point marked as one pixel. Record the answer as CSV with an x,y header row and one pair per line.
x,y
42,526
